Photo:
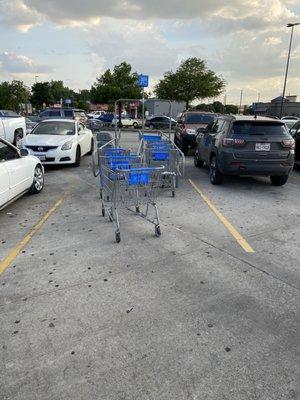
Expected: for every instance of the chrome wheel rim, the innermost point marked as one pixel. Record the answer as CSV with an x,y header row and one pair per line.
x,y
213,168
38,179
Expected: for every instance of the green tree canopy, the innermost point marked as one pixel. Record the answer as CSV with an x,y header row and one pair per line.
x,y
191,81
12,94
114,84
49,93
217,107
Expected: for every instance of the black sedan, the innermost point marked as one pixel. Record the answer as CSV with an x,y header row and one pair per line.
x,y
162,122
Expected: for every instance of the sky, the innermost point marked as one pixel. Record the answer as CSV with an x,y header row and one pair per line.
x,y
245,41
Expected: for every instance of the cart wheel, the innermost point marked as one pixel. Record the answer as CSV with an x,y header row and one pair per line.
x,y
173,193
137,209
103,212
110,217
118,237
157,231
101,196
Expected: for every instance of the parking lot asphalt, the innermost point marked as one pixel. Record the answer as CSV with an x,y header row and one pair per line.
x,y
189,315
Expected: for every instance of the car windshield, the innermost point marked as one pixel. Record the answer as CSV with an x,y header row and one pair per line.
x,y
199,118
259,128
8,113
54,128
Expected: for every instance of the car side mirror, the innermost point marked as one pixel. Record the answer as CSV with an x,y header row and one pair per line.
x,y
24,152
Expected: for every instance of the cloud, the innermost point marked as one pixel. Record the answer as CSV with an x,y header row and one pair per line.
x,y
139,43
18,14
227,15
14,65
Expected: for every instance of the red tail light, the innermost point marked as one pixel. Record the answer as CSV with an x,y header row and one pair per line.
x,y
229,142
288,143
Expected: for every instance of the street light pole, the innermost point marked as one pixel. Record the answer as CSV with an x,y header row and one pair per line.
x,y
287,66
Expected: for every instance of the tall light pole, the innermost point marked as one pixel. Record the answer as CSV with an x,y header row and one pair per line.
x,y
241,100
287,65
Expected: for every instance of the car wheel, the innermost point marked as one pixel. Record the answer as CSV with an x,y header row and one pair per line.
x,y
279,180
198,163
216,177
184,148
91,148
135,124
38,180
78,157
151,126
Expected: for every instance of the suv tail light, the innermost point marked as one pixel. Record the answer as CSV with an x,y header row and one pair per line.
x,y
229,142
288,143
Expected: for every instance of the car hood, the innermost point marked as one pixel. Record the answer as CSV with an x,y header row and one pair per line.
x,y
46,140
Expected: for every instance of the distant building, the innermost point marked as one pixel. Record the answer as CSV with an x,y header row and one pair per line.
x,y
161,107
290,107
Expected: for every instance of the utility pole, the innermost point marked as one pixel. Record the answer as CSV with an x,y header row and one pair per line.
x,y
258,97
287,66
241,99
35,78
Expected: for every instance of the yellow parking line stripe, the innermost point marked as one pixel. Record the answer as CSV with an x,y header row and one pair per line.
x,y
237,236
5,263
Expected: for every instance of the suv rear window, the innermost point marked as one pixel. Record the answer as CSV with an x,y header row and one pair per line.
x,y
195,118
259,128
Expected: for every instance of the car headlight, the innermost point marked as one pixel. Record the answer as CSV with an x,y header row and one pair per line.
x,y
191,131
67,145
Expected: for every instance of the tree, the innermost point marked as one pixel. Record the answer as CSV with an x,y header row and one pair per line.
x,y
191,81
114,84
13,94
41,93
231,109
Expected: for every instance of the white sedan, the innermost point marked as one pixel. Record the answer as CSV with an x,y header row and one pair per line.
x,y
19,173
59,141
127,121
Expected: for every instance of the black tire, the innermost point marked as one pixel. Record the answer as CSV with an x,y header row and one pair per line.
x,y
184,148
151,126
157,231
198,163
173,193
135,125
279,180
78,157
38,180
216,177
103,211
118,237
18,136
91,148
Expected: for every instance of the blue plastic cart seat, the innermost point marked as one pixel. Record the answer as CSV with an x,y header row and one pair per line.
x,y
160,156
152,138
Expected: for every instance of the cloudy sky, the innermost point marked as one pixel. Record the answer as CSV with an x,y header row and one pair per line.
x,y
244,40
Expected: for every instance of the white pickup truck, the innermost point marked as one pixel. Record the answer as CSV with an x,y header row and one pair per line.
x,y
12,128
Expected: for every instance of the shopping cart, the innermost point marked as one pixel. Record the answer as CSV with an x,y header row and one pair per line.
x,y
157,149
126,184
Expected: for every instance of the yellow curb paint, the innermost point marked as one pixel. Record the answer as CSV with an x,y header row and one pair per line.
x,y
234,232
5,263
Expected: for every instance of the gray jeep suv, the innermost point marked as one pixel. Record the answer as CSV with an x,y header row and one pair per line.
x,y
246,145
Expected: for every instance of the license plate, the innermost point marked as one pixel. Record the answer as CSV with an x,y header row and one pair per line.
x,y
262,146
42,157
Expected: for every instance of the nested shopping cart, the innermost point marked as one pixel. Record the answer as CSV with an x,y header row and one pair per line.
x,y
156,149
127,184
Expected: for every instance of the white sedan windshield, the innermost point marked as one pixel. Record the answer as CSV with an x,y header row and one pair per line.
x,y
55,128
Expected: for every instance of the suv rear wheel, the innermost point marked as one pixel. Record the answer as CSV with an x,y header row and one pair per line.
x,y
279,180
198,163
216,177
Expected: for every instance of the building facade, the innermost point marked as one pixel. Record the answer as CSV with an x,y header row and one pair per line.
x,y
291,107
161,107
